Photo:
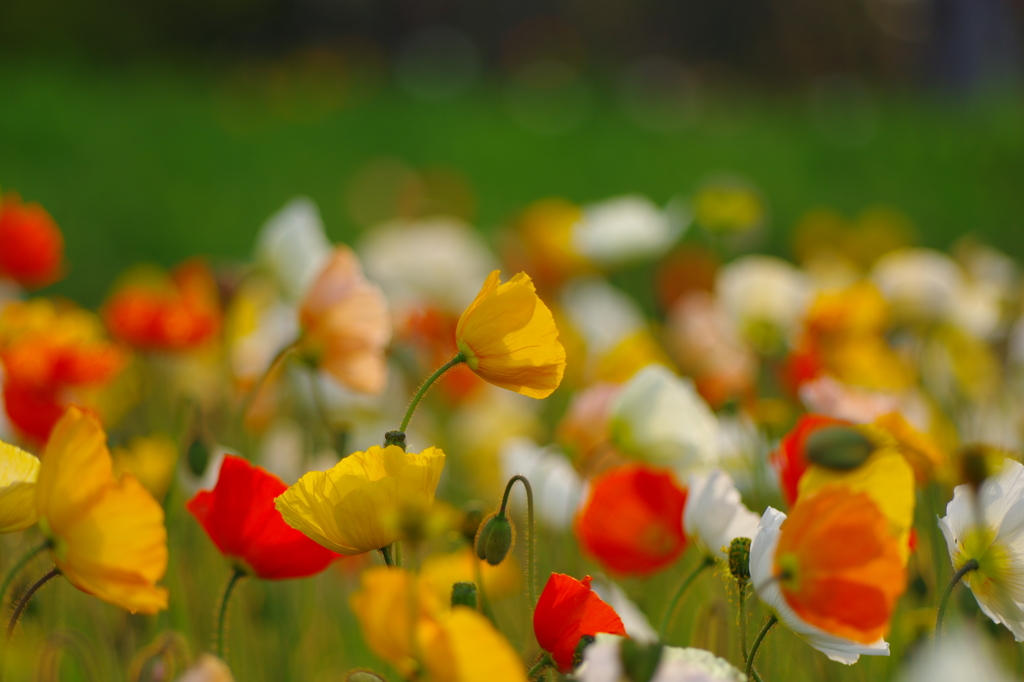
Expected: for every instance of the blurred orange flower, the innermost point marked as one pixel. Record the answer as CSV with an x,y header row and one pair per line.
x,y
839,565
789,459
346,326
154,310
509,338
33,251
48,351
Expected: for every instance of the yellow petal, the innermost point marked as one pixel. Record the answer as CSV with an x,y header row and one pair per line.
x,y
463,646
18,473
441,571
509,338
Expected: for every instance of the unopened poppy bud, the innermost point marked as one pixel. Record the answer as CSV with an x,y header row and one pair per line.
x,y
838,447
198,457
395,438
973,466
581,646
464,594
640,661
472,517
363,676
494,540
739,558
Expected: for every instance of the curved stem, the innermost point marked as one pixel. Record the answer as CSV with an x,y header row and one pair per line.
x,y
680,591
258,386
222,617
20,564
544,662
386,553
971,565
26,598
426,385
531,568
757,643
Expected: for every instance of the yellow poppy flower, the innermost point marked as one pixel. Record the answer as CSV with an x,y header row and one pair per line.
x,y
450,645
18,473
351,508
107,536
150,459
886,477
509,338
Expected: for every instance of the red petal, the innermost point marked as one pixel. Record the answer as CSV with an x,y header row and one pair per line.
x,y
567,610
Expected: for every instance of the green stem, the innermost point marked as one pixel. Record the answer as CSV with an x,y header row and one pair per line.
x,y
485,605
971,565
386,553
20,564
26,598
757,643
531,567
706,562
258,386
544,662
426,385
222,617
743,617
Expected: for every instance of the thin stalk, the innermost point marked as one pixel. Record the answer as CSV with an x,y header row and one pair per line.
x,y
531,568
971,565
482,603
743,617
222,617
258,386
20,564
544,662
26,598
426,385
757,643
680,591
386,553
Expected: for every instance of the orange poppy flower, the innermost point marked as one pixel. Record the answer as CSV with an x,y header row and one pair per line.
x,y
33,250
790,459
168,312
839,565
346,325
566,611
633,521
49,351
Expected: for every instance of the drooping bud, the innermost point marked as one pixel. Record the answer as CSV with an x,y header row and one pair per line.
x,y
472,517
464,594
838,447
494,540
577,655
395,438
640,661
739,558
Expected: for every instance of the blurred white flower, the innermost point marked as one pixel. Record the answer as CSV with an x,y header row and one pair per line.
x,y
625,229
208,668
602,314
762,558
765,296
293,246
659,418
964,655
990,530
715,515
557,488
920,284
602,662
442,260
638,627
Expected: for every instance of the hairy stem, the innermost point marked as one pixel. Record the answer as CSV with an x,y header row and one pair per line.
x,y
426,385
971,565
222,616
531,567
757,643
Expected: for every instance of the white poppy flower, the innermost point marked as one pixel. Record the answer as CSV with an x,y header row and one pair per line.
x,y
921,284
964,655
764,290
637,625
602,314
660,418
625,229
990,530
208,668
557,488
293,246
762,558
602,663
714,515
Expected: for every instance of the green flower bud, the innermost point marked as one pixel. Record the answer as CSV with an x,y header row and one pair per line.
x,y
395,438
495,538
639,661
839,447
198,457
739,558
464,594
472,517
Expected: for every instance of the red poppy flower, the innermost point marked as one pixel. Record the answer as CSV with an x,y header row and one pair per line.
x,y
633,521
33,245
240,517
174,312
567,610
790,458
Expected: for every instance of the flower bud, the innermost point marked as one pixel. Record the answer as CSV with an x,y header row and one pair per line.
x,y
640,661
838,447
464,594
973,466
739,558
395,438
472,517
494,540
